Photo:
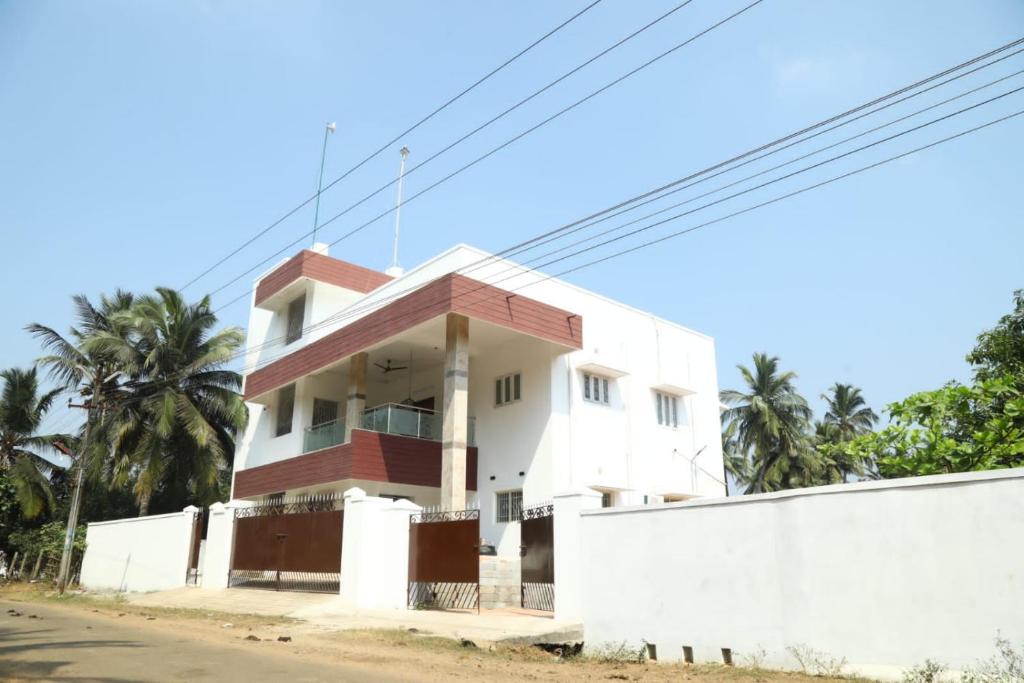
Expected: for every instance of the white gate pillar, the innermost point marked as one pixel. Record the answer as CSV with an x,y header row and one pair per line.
x,y
220,542
375,551
568,551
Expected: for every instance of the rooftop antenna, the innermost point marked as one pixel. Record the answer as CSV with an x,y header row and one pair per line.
x,y
396,270
330,128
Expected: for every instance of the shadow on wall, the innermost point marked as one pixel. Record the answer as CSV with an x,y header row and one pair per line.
x,y
124,575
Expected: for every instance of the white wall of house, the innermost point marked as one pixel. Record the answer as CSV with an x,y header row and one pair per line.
x,y
138,554
553,435
883,574
514,437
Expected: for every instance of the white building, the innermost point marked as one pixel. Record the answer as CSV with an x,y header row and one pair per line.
x,y
471,381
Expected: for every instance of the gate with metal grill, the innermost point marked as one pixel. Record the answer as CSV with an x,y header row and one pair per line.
x,y
537,531
292,544
444,560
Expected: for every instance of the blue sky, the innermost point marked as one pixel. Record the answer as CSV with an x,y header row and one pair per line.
x,y
142,141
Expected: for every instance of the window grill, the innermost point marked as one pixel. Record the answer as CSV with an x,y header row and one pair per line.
x,y
509,506
296,316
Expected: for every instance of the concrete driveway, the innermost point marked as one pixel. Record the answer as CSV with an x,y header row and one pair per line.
x,y
330,612
60,644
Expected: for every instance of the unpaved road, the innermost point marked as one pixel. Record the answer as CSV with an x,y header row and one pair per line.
x,y
62,644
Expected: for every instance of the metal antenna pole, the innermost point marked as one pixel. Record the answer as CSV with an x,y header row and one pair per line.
x,y
330,128
398,205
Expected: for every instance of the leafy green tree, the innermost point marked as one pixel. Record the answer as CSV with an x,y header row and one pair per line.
x,y
175,436
957,428
771,420
1000,351
953,429
22,409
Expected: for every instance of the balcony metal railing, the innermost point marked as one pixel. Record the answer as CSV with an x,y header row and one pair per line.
x,y
388,418
323,436
419,423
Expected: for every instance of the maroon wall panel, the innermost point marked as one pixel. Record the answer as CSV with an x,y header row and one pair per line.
x,y
371,456
448,294
322,269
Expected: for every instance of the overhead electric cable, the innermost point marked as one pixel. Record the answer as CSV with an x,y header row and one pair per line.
x,y
393,140
488,154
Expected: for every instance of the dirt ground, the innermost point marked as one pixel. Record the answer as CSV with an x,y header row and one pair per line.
x,y
382,654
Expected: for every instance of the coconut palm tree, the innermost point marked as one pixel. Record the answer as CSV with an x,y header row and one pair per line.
x,y
848,414
175,438
92,373
737,463
22,409
771,422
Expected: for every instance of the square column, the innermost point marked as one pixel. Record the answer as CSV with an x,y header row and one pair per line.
x,y
356,403
456,412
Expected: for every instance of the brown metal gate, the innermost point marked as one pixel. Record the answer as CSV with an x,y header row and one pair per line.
x,y
537,531
289,545
444,560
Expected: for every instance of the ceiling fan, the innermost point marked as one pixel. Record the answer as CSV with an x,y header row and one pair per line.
x,y
390,368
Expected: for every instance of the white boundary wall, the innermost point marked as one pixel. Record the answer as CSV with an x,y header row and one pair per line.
x,y
138,554
884,574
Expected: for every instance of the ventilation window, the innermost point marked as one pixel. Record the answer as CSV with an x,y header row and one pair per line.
x,y
667,408
595,389
508,389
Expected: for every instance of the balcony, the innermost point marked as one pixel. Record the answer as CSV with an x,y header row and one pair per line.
x,y
389,418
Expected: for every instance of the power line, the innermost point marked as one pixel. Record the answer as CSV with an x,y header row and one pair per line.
x,y
356,310
786,138
488,154
564,231
769,170
734,214
392,141
522,268
791,194
352,311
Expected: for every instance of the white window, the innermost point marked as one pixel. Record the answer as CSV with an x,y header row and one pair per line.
x,y
595,389
667,408
508,506
508,389
285,410
296,316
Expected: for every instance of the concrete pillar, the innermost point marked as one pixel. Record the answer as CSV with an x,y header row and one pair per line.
x,y
356,393
375,551
456,412
220,542
568,551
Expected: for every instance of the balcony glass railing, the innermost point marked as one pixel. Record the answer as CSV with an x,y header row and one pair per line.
x,y
389,418
323,435
419,423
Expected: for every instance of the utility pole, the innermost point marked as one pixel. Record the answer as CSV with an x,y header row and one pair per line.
x,y
330,128
76,498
